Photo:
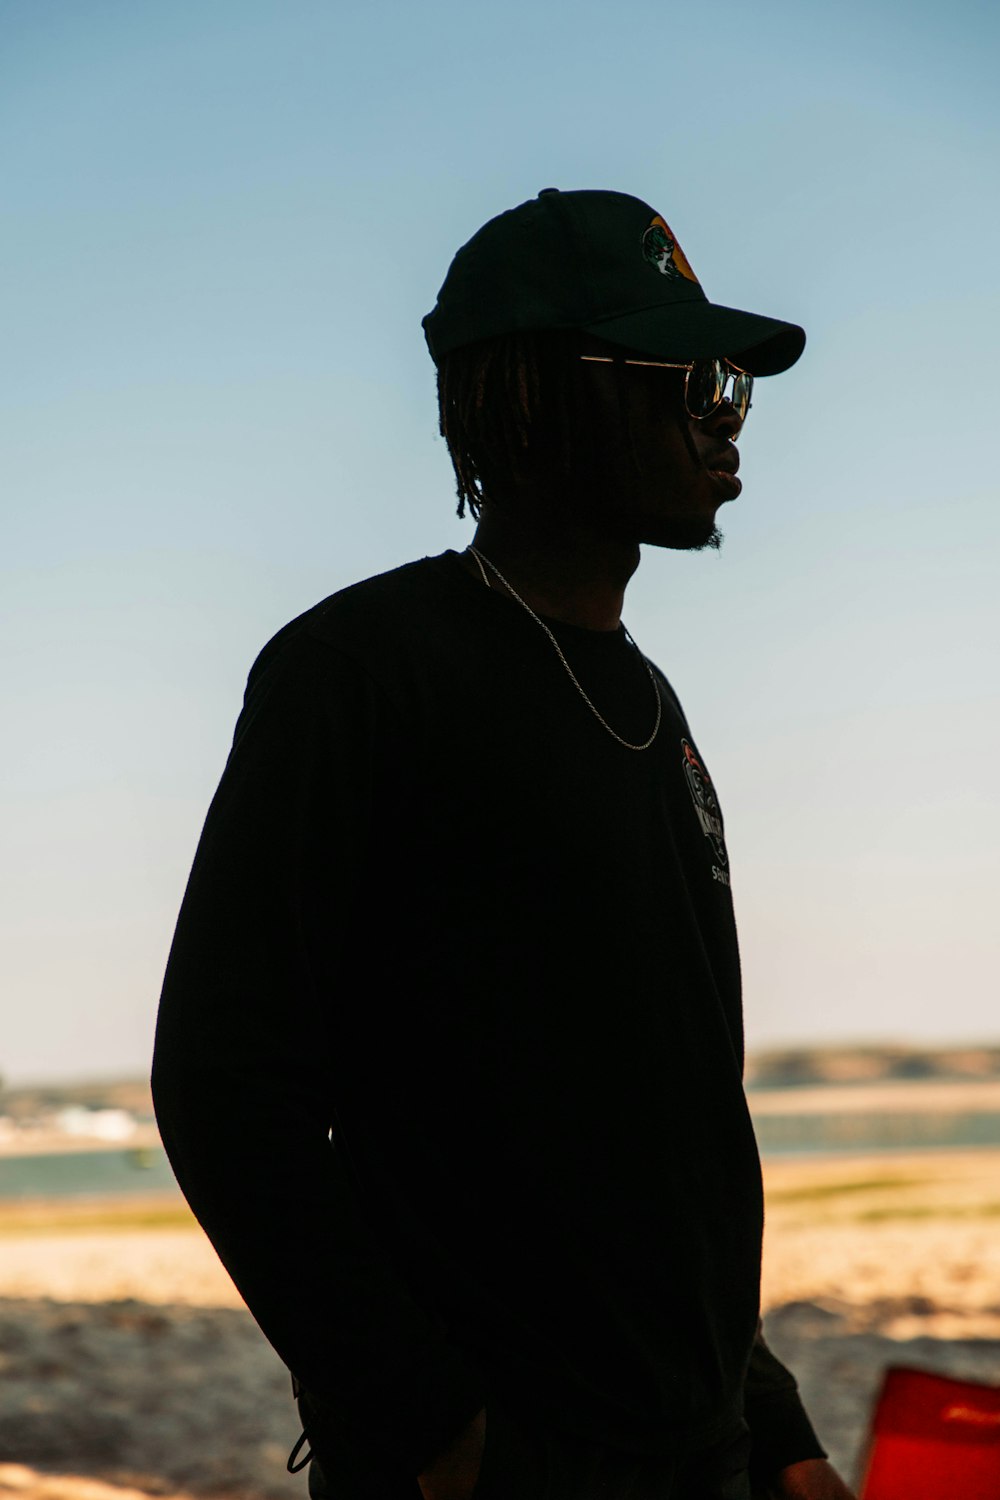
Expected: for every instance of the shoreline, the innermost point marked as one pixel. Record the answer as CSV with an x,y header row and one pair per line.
x,y
924,1102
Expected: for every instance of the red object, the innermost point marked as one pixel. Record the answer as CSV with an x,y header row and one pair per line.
x,y
933,1438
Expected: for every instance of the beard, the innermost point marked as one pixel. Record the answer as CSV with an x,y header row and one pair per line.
x,y
678,534
607,496
630,507
622,516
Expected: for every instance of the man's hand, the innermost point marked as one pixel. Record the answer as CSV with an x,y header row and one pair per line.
x,y
454,1473
812,1479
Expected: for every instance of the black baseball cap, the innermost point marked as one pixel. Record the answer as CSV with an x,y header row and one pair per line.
x,y
603,263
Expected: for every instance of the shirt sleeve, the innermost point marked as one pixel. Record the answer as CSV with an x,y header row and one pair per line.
x,y
242,1066
779,1426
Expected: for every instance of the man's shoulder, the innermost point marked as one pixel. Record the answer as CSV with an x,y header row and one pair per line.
x,y
381,604
389,613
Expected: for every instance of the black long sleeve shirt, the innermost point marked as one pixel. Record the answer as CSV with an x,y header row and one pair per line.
x,y
449,1055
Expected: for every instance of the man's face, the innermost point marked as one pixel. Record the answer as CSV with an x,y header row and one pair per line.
x,y
665,474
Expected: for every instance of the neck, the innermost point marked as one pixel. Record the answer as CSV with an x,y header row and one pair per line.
x,y
563,569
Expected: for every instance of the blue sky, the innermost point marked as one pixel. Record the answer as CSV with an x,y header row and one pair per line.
x,y
222,223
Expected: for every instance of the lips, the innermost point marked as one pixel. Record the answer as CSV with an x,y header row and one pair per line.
x,y
722,469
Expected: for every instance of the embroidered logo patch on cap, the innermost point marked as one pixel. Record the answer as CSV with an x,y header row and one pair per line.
x,y
662,251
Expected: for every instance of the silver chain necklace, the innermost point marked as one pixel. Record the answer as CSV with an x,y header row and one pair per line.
x,y
480,559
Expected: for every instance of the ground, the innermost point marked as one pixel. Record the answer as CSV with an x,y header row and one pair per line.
x,y
132,1368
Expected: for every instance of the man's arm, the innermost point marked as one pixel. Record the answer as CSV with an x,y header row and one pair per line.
x,y
243,1069
812,1479
787,1459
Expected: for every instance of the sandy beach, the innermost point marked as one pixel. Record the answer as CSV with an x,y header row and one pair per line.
x,y
133,1370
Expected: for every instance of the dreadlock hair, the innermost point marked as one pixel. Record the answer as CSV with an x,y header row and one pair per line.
x,y
516,407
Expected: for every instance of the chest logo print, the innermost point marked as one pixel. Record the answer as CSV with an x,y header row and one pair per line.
x,y
706,804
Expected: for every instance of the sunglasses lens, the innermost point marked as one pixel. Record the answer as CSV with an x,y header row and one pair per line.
x,y
705,384
742,390
706,388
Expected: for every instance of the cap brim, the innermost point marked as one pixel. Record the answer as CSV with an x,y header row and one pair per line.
x,y
703,330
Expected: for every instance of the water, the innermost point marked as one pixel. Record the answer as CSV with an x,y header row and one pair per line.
x,y
81,1174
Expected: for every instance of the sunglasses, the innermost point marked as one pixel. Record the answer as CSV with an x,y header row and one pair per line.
x,y
704,385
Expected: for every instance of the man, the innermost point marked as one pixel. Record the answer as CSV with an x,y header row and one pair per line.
x,y
450,1051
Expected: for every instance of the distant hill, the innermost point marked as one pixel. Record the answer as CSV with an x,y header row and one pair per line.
x,y
773,1068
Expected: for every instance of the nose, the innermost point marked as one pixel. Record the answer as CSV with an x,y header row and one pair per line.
x,y
725,421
